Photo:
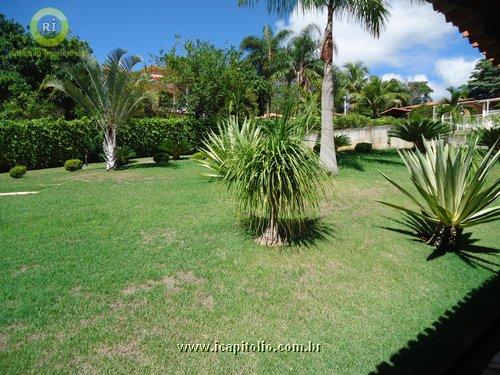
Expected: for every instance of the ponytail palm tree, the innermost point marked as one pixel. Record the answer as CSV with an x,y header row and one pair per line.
x,y
370,14
108,93
273,174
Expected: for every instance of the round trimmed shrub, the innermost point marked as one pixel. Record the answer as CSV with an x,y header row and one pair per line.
x,y
73,165
363,147
18,171
200,155
161,158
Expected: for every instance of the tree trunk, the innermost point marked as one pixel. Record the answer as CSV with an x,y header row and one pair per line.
x,y
109,148
445,237
327,149
271,236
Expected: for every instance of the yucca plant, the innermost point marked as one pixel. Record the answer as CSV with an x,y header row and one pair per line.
x,y
175,147
417,131
490,138
452,190
273,174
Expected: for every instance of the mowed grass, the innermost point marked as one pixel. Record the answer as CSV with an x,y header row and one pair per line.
x,y
107,272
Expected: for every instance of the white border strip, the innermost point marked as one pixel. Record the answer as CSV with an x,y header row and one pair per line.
x,y
20,193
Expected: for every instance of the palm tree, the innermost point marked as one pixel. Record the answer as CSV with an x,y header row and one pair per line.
x,y
109,93
379,95
453,108
355,75
263,52
370,14
302,62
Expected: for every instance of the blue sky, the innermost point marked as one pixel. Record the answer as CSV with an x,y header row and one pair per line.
x,y
417,43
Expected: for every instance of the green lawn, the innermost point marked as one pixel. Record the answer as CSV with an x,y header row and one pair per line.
x,y
109,271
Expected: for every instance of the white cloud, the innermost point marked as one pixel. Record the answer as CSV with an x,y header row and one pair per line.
x,y
409,26
455,71
399,77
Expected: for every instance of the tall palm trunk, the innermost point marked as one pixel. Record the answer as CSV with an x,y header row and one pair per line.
x,y
327,150
109,147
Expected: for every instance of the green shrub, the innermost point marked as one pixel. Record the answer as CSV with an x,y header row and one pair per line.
x,y
387,120
416,131
342,140
124,154
200,155
73,165
18,171
421,113
44,143
351,121
175,147
161,158
363,147
490,138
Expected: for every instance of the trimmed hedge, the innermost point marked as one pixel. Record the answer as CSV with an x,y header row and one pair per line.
x,y
355,120
45,143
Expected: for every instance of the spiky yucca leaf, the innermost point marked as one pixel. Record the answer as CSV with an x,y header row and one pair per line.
x,y
451,191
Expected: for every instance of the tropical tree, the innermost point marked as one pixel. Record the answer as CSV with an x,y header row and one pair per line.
x,y
452,106
370,14
264,53
452,190
378,95
273,174
301,63
355,76
108,93
484,82
419,91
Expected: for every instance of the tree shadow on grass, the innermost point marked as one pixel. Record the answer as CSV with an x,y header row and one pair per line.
x,y
299,233
438,348
356,160
466,248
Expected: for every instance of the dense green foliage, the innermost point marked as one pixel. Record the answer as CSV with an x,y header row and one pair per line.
x,y
418,131
49,143
484,82
24,65
273,174
73,165
18,171
453,190
213,82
